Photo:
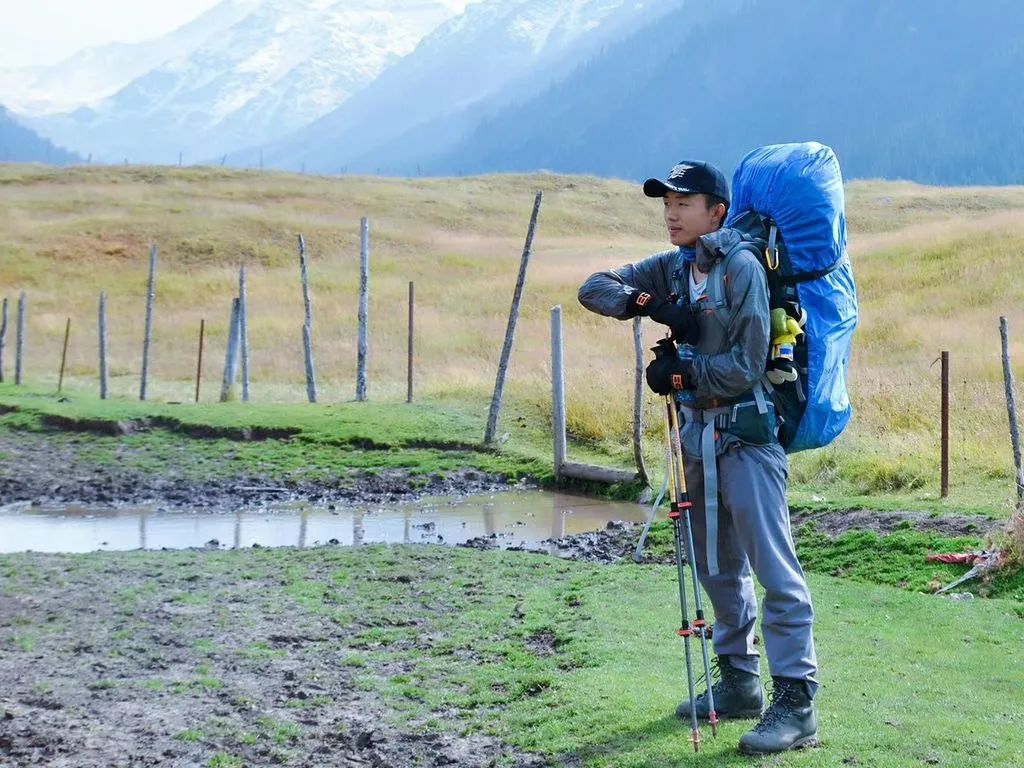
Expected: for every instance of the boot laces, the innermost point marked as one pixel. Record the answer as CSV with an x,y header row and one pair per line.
x,y
784,698
715,681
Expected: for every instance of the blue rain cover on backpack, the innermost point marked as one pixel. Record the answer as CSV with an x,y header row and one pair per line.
x,y
800,187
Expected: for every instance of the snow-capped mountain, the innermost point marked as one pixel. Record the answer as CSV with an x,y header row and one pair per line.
x,y
283,64
495,52
94,73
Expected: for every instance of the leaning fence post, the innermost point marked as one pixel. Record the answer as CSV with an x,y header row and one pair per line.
x,y
307,326
3,339
638,402
103,345
510,330
557,392
1011,410
148,337
230,355
364,307
243,333
19,346
64,356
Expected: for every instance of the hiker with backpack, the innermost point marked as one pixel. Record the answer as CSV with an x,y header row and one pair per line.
x,y
741,309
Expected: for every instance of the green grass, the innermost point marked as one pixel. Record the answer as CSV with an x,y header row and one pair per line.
x,y
897,559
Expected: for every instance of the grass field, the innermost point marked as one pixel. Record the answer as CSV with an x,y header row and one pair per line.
x,y
933,268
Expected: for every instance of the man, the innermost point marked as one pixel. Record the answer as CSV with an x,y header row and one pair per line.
x,y
717,311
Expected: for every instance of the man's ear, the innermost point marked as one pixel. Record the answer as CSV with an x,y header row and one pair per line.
x,y
719,213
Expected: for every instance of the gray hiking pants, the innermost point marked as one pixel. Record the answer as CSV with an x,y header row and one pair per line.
x,y
754,537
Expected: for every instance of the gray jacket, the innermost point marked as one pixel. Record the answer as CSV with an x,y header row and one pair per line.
x,y
734,338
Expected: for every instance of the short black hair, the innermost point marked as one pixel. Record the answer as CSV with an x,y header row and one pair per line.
x,y
712,200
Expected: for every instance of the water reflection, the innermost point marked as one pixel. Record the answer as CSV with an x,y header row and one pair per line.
x,y
513,518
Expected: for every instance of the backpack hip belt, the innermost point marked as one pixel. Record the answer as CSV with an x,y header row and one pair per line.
x,y
725,419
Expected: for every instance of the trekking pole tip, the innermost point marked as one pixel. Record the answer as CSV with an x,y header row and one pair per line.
x,y
695,738
713,719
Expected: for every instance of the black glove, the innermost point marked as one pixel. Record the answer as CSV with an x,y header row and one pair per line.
x,y
679,319
667,372
667,312
641,303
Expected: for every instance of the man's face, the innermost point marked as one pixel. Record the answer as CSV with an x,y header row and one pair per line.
x,y
688,217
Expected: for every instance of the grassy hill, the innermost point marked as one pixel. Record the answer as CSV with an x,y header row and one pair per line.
x,y
935,268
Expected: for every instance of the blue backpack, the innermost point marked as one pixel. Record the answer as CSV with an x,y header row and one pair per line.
x,y
788,203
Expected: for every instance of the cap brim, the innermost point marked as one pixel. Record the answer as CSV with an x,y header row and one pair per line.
x,y
658,188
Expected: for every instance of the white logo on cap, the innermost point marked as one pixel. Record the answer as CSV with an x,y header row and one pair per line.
x,y
680,170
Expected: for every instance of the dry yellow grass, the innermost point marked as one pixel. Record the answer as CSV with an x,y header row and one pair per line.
x,y
935,268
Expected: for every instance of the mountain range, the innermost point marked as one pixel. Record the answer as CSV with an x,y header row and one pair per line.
x,y
246,72
496,52
21,144
928,90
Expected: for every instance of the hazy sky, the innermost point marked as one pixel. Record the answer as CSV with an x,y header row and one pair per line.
x,y
46,31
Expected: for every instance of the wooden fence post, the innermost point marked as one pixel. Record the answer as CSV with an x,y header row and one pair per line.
x,y
3,339
638,402
19,346
944,483
199,363
510,330
307,326
412,306
103,345
364,308
243,333
230,355
1011,410
64,356
148,337
557,392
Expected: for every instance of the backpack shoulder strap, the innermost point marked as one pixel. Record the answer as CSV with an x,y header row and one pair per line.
x,y
717,292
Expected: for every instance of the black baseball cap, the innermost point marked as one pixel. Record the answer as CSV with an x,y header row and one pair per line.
x,y
691,177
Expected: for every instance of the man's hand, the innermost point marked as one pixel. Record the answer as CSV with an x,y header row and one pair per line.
x,y
667,372
664,311
679,319
641,303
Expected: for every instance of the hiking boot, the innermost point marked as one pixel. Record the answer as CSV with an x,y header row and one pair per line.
x,y
737,694
788,723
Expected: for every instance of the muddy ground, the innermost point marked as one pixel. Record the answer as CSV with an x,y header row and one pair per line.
x,y
107,661
49,472
180,660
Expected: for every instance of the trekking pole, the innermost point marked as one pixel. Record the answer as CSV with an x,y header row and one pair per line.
x,y
680,501
700,624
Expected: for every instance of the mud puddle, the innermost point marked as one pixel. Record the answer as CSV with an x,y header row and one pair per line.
x,y
519,518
